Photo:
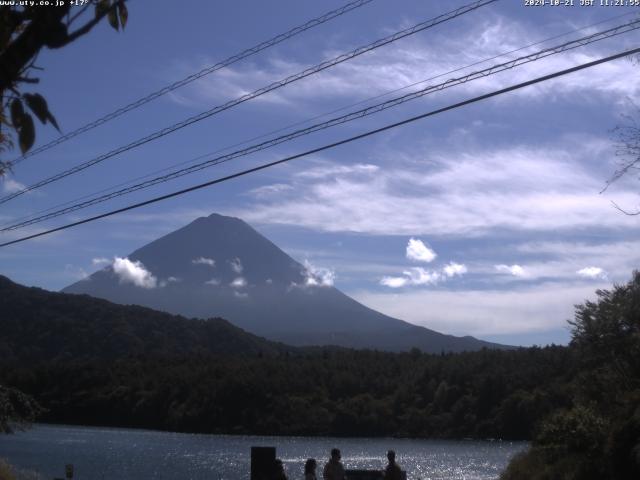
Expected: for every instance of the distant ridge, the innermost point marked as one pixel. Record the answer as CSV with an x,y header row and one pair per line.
x,y
220,266
37,325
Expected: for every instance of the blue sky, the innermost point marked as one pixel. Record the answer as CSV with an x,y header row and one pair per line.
x,y
487,220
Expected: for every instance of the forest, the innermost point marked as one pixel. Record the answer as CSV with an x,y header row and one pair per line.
x,y
598,435
579,404
488,394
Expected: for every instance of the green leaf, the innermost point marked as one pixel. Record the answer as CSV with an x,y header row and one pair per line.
x,y
123,13
113,19
101,7
38,105
17,111
27,134
52,121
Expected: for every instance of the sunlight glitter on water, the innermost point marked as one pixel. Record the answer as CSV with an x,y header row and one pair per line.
x,y
133,454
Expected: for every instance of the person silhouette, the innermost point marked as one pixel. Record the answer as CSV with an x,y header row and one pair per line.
x,y
333,469
310,469
393,470
278,470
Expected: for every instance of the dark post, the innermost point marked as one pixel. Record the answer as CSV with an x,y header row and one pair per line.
x,y
262,461
360,474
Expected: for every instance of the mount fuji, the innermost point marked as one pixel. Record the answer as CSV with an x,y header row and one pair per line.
x,y
219,266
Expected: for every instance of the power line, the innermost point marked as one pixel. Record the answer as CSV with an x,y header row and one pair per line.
x,y
339,120
302,122
273,86
332,145
572,44
205,71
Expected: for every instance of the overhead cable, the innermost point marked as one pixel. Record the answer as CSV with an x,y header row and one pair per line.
x,y
269,88
331,145
205,71
609,33
305,121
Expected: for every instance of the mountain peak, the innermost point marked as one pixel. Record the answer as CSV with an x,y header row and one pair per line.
x,y
216,220
218,216
220,266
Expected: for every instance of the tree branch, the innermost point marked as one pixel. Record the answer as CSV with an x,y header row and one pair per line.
x,y
80,12
20,52
88,26
28,80
626,212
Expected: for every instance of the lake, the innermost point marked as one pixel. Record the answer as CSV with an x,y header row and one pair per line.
x,y
125,454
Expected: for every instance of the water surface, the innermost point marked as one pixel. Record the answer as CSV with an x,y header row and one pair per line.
x,y
124,454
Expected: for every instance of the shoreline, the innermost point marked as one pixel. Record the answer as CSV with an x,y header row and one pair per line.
x,y
275,436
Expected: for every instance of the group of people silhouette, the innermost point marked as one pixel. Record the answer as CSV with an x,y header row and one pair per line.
x,y
334,470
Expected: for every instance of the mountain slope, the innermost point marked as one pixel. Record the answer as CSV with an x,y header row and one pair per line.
x,y
37,325
220,266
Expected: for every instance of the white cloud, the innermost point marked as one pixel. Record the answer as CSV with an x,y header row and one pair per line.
x,y
536,308
404,63
239,282
269,190
96,262
317,276
577,247
418,251
394,282
133,272
204,261
414,276
452,269
420,276
76,272
592,272
236,265
333,170
168,281
214,281
464,193
9,185
241,294
515,270
616,258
